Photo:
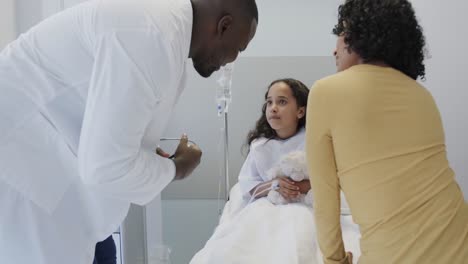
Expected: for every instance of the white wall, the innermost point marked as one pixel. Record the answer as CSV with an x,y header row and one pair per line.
x,y
28,13
7,22
31,12
444,23
294,28
68,3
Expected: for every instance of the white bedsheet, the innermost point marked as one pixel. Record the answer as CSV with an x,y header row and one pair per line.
x,y
272,234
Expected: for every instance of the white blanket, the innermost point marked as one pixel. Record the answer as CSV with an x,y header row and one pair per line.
x,y
261,232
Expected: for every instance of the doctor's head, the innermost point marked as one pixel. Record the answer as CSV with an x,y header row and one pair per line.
x,y
221,30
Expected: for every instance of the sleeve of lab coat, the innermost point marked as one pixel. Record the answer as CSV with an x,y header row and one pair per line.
x,y
132,67
249,177
323,174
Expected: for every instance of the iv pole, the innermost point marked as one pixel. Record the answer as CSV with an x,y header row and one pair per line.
x,y
226,156
223,98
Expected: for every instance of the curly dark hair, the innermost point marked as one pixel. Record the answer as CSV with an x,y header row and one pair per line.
x,y
386,31
262,128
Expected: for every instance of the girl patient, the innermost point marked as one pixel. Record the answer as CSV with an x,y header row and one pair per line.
x,y
252,229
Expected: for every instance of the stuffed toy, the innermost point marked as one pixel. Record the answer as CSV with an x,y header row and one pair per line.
x,y
292,165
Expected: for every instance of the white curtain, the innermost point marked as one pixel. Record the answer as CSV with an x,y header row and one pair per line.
x,y
7,22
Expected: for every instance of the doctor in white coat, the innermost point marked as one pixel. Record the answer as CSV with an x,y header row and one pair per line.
x,y
84,98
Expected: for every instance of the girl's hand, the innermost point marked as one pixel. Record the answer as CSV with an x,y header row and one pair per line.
x,y
288,188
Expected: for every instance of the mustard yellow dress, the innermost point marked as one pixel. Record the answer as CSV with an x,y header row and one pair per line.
x,y
377,134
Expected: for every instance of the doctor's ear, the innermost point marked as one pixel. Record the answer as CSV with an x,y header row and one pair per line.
x,y
224,24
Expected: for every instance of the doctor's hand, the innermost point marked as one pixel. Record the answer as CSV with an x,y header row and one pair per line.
x,y
186,158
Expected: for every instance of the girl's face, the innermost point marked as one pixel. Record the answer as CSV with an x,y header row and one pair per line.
x,y
344,57
282,111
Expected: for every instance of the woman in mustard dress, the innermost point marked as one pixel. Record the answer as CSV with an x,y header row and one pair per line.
x,y
376,133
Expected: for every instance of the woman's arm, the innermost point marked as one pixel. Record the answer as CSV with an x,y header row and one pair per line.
x,y
323,175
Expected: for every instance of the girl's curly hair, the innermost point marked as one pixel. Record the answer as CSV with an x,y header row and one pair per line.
x,y
384,30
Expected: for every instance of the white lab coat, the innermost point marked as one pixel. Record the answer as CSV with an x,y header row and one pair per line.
x,y
84,98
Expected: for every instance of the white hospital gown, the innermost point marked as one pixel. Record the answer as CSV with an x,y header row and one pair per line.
x,y
263,155
85,97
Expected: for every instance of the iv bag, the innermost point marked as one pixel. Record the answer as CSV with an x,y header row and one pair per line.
x,y
223,91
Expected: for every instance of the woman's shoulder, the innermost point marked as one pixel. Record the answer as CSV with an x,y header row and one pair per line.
x,y
336,86
331,80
